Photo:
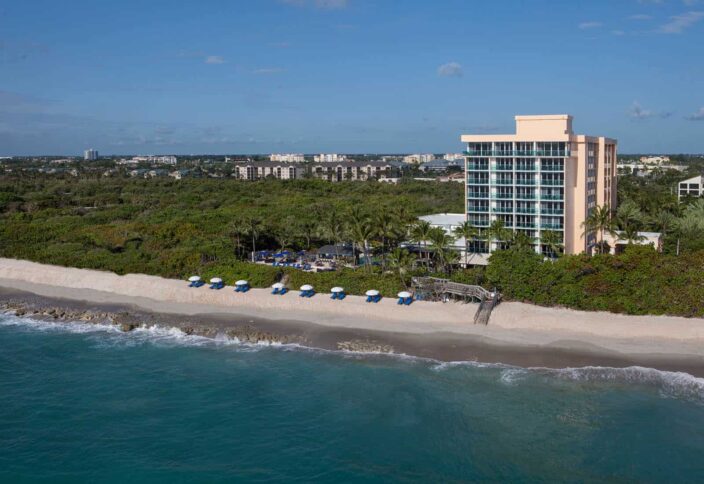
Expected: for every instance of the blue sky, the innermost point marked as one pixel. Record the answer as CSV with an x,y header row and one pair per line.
x,y
361,76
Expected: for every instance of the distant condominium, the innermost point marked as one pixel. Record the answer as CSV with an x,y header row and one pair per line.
x,y
90,155
329,158
418,159
543,178
287,157
334,172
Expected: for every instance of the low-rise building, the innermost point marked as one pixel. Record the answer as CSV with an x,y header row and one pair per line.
x,y
352,171
256,170
417,159
617,243
690,188
329,158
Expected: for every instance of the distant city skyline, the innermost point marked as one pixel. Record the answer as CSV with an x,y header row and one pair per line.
x,y
343,76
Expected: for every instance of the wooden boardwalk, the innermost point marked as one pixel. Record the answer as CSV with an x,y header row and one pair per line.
x,y
434,289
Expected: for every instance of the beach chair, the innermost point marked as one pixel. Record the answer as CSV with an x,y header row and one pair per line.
x,y
373,296
216,283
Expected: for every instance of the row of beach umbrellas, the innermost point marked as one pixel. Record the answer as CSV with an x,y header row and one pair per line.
x,y
306,290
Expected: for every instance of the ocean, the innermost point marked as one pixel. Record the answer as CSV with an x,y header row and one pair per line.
x,y
84,403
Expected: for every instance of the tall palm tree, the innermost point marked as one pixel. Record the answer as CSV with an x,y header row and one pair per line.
x,y
630,234
599,221
307,230
440,242
361,232
552,241
420,233
402,261
238,230
521,242
468,232
386,226
498,232
333,230
253,228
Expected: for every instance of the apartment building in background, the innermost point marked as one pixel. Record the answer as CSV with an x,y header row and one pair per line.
x,y
329,158
692,187
287,157
542,178
90,155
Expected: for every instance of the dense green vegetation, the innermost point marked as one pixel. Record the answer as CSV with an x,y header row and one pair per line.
x,y
209,226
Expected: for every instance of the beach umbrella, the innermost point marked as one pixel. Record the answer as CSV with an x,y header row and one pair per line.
x,y
277,285
372,292
306,287
241,282
404,294
336,290
215,280
194,279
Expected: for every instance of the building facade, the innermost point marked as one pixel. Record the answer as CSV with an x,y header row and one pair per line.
x,y
287,157
542,178
329,158
90,155
352,171
692,187
256,170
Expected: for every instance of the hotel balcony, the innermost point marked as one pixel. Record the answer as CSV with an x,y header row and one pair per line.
x,y
552,226
477,194
478,166
525,210
556,183
547,154
546,211
551,197
477,181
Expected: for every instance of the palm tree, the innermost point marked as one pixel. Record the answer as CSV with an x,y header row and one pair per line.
x,y
361,231
552,241
440,242
498,232
307,230
402,261
599,221
630,234
521,242
420,233
253,227
238,230
333,230
386,226
468,232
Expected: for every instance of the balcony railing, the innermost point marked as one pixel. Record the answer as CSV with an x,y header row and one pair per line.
x,y
478,209
479,223
526,196
557,183
552,168
502,167
551,197
503,210
525,225
553,154
525,210
477,194
503,182
545,211
504,196
473,166
530,183
552,226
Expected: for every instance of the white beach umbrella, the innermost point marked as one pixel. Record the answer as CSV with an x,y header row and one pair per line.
x,y
277,285
215,280
306,287
194,278
337,289
241,282
372,292
404,294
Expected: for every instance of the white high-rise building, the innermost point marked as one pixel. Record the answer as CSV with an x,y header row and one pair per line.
x,y
418,159
90,155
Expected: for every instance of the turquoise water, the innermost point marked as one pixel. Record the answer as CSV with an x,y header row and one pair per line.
x,y
84,403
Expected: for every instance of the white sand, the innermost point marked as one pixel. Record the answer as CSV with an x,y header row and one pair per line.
x,y
511,323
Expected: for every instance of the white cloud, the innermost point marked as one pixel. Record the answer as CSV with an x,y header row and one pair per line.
x,y
589,25
451,69
214,59
679,23
697,116
268,70
320,4
638,112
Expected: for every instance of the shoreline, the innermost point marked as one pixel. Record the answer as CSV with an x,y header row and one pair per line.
x,y
518,334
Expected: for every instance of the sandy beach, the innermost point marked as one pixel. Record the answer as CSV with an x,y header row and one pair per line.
x,y
517,333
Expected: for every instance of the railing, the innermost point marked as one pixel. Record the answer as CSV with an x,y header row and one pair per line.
x,y
478,209
552,168
523,225
479,223
502,167
558,183
503,210
472,166
553,154
478,181
525,196
545,211
552,226
478,195
525,168
503,182
530,183
504,196
525,210
551,197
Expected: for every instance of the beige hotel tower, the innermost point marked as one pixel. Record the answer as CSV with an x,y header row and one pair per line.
x,y
544,177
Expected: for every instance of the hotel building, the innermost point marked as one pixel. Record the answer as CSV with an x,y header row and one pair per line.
x,y
543,178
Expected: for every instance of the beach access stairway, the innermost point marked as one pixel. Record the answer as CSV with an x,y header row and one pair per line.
x,y
435,289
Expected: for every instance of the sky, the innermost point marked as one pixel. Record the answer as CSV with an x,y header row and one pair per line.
x,y
344,76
